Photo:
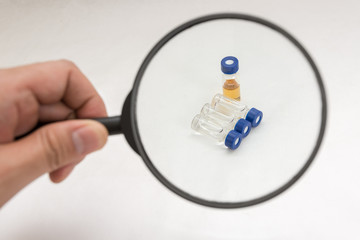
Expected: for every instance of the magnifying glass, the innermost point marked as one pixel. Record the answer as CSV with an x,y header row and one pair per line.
x,y
182,73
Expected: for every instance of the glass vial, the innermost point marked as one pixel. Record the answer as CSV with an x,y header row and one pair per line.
x,y
231,107
207,127
229,121
231,86
210,128
211,114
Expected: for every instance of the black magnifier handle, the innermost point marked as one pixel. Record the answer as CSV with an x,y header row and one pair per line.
x,y
112,124
115,125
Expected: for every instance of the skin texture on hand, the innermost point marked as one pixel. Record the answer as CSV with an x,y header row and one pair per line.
x,y
46,92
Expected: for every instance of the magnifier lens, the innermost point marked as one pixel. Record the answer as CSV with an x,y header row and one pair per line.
x,y
274,77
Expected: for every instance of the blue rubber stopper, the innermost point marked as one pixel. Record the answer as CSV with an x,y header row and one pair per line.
x,y
243,126
233,139
254,116
229,65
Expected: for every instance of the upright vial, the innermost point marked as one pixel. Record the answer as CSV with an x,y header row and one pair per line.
x,y
203,125
231,86
231,107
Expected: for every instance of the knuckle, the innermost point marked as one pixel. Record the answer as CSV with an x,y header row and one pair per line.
x,y
67,63
27,103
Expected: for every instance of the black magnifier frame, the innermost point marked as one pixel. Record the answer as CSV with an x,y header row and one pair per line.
x,y
136,142
127,122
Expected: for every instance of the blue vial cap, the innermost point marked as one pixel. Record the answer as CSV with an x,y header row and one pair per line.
x,y
243,126
233,139
254,116
229,65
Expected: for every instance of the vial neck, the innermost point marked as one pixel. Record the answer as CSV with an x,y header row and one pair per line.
x,y
229,76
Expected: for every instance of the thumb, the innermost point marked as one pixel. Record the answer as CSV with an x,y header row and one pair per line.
x,y
63,143
52,147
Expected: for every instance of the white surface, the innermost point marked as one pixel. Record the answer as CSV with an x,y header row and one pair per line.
x,y
111,195
274,77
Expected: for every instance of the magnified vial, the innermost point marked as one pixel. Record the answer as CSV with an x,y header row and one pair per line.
x,y
227,121
231,138
231,107
231,87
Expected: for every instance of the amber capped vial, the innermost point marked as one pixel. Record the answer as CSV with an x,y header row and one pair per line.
x,y
231,86
231,107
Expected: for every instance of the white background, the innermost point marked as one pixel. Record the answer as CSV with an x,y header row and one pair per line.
x,y
112,195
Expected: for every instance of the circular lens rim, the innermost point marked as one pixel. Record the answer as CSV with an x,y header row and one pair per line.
x,y
135,129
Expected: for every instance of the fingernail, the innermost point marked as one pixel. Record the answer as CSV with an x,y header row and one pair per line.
x,y
88,139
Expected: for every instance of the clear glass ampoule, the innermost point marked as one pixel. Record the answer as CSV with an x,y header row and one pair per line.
x,y
213,129
231,86
231,107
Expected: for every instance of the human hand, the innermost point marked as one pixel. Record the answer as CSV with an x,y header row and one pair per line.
x,y
46,92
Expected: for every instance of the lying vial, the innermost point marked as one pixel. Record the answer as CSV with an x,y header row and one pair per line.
x,y
207,127
231,107
227,121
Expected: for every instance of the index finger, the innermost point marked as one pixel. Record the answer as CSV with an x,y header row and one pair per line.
x,y
61,81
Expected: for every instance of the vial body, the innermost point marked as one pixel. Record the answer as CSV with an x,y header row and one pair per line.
x,y
210,128
231,138
229,107
231,86
211,114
